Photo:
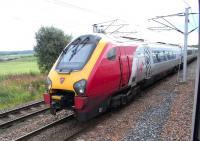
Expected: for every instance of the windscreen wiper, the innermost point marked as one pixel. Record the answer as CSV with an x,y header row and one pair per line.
x,y
84,43
77,42
76,50
61,70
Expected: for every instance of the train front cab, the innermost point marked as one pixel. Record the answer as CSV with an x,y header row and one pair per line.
x,y
68,77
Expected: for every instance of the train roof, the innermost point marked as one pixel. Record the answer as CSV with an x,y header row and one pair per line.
x,y
126,40
132,41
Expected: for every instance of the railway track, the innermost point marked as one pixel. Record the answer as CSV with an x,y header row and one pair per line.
x,y
10,117
41,129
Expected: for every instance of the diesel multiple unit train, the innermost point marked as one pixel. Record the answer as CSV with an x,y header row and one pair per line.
x,y
96,72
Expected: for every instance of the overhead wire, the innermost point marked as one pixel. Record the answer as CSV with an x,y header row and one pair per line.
x,y
67,4
195,24
192,14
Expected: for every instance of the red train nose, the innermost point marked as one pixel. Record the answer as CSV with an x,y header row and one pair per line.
x,y
80,102
47,98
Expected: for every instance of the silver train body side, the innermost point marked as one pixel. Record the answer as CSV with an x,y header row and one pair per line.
x,y
152,60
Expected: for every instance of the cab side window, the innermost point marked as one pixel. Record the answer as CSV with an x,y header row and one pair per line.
x,y
111,55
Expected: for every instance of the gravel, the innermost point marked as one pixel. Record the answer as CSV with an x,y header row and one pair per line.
x,y
161,112
149,126
179,122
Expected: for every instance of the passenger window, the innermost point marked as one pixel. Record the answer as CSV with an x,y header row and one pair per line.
x,y
189,52
158,56
111,55
164,56
168,55
161,56
155,57
174,55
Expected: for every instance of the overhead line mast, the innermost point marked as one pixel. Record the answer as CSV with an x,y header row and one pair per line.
x,y
185,44
171,26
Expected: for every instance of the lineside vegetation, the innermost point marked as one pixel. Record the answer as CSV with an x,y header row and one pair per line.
x,y
20,81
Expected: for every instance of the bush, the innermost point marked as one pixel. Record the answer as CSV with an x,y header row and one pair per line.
x,y
50,42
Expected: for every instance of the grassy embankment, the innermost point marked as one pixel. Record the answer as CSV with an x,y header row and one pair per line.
x,y
20,81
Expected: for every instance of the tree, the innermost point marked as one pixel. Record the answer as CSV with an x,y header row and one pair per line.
x,y
50,42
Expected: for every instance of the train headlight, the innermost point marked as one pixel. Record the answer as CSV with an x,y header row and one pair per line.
x,y
79,87
48,83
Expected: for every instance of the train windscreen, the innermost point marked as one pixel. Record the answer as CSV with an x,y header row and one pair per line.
x,y
75,56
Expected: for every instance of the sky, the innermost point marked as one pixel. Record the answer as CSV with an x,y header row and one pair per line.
x,y
21,19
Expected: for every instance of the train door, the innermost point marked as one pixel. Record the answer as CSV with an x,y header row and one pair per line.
x,y
147,62
141,69
124,67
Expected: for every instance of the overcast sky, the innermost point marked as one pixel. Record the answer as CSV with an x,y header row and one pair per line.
x,y
20,19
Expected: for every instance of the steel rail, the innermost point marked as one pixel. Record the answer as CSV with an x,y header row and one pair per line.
x,y
37,131
6,113
10,122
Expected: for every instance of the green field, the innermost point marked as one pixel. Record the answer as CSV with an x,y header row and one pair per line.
x,y
14,55
24,64
20,80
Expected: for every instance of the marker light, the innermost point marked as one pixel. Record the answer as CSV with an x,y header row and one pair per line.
x,y
79,87
48,83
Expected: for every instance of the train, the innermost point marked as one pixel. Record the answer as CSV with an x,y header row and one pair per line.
x,y
96,72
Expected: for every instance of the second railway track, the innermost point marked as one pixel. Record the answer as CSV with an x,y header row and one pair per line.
x,y
13,116
39,130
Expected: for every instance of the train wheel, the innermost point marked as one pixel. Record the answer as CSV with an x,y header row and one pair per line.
x,y
116,101
124,99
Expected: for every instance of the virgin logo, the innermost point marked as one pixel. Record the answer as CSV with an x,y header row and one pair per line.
x,y
62,80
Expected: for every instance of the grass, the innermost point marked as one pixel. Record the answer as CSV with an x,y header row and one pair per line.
x,y
25,64
20,81
21,88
